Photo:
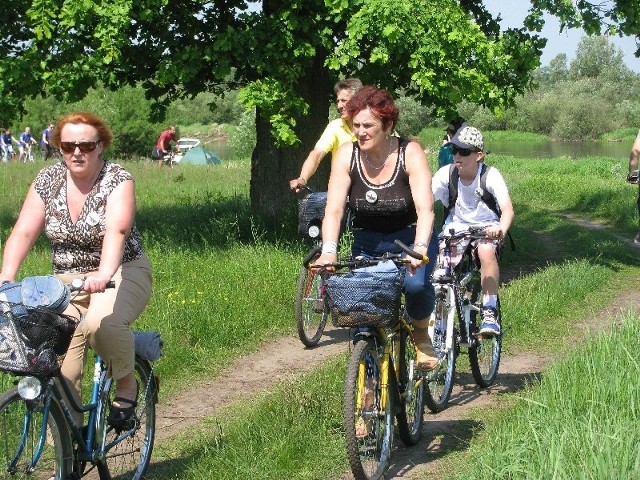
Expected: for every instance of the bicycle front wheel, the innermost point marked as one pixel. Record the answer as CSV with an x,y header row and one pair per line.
x,y
368,422
484,352
21,432
412,389
129,457
311,308
440,380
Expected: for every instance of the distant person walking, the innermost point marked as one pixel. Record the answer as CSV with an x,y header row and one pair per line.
x,y
634,156
163,145
45,146
25,141
336,133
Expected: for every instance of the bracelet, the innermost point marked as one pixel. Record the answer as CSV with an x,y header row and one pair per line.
x,y
329,247
420,244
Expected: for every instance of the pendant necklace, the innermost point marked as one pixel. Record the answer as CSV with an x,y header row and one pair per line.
x,y
366,157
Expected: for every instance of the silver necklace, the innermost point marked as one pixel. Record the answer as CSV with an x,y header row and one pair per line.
x,y
366,157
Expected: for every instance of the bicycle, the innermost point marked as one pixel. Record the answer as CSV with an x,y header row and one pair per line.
x,y
311,311
458,293
28,154
382,380
38,435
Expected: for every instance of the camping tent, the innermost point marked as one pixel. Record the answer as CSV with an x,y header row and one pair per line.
x,y
200,156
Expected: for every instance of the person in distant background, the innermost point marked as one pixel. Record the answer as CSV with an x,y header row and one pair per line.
x,y
25,140
47,149
335,134
7,145
163,145
634,156
445,157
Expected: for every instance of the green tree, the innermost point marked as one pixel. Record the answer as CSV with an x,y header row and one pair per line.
x,y
284,58
596,57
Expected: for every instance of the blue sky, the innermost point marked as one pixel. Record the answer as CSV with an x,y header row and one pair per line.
x,y
514,11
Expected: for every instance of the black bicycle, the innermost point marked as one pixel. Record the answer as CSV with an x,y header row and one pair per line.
x,y
38,436
311,310
456,280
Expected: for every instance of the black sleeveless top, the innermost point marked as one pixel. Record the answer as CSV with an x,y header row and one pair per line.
x,y
382,208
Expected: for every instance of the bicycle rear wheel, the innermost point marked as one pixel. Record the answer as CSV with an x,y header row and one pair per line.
x,y
484,352
412,392
440,380
368,424
311,308
129,458
21,427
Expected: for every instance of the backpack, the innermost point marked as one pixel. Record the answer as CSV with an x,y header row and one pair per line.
x,y
486,196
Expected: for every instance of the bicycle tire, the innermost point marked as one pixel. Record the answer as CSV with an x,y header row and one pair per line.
x,y
56,460
130,457
412,392
484,352
439,382
311,308
369,455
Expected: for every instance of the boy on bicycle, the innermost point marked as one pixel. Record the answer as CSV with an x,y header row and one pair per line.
x,y
468,209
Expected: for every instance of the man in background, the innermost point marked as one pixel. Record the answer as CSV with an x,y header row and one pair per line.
x,y
335,134
47,149
163,145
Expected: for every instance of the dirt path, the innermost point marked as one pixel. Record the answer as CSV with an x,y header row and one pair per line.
x,y
285,358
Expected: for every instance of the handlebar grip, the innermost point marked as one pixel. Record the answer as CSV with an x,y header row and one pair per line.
x,y
311,255
111,284
77,284
412,253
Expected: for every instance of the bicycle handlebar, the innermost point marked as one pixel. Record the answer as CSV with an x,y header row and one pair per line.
x,y
359,262
472,232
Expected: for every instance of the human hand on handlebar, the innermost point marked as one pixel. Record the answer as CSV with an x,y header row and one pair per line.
x,y
96,282
494,231
324,259
297,184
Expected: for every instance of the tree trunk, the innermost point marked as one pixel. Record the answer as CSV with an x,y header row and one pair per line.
x,y
272,167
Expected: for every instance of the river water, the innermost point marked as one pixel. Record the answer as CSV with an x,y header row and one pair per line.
x,y
549,149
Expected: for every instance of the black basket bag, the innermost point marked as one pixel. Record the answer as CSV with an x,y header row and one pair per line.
x,y
34,339
311,212
365,298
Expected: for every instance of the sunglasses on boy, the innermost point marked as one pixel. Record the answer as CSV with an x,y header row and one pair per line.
x,y
85,147
463,152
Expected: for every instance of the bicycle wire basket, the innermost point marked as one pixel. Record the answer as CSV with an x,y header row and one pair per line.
x,y
33,341
311,212
365,298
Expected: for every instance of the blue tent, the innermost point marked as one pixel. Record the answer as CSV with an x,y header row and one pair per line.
x,y
200,156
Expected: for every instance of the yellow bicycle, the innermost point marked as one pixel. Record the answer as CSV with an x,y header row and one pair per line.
x,y
382,381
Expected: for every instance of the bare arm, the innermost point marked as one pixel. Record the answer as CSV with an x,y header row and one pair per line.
x,y
25,232
309,167
120,214
420,183
339,184
635,154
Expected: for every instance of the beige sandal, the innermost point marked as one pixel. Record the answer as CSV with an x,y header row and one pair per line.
x,y
425,356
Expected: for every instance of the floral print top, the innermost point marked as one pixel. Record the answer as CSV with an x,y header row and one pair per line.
x,y
76,248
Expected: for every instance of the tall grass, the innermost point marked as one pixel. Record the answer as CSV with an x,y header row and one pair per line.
x,y
224,283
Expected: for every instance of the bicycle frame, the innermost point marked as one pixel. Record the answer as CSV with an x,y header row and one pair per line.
x,y
101,384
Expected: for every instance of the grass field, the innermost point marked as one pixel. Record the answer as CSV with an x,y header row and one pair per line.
x,y
224,282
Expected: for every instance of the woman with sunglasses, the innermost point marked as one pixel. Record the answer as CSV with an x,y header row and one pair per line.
x,y
86,207
470,210
387,182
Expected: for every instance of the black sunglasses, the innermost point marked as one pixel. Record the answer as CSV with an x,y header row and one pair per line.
x,y
463,152
85,147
